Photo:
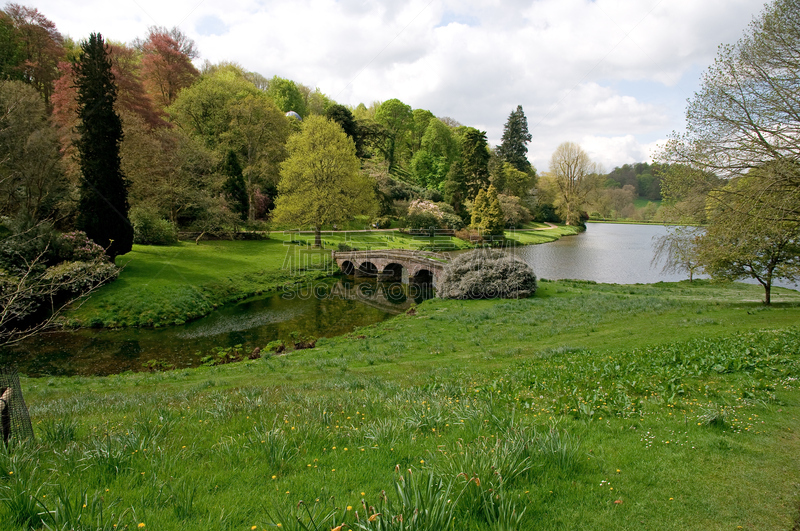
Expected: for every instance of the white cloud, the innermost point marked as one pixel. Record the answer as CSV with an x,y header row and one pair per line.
x,y
568,62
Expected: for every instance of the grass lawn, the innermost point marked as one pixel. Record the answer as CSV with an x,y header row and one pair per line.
x,y
533,236
588,406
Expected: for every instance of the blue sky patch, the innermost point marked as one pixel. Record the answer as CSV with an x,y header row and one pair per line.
x,y
211,25
449,17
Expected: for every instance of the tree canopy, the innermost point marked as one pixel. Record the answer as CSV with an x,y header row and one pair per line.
x,y
574,177
321,182
747,114
514,146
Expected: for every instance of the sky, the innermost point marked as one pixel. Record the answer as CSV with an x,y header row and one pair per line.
x,y
611,75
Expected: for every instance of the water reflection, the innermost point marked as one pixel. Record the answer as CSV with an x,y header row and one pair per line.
x,y
322,309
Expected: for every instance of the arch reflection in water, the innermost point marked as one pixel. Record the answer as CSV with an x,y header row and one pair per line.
x,y
392,297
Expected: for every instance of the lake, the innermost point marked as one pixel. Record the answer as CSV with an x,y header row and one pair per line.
x,y
607,252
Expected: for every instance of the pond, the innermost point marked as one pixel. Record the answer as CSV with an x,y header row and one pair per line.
x,y
324,309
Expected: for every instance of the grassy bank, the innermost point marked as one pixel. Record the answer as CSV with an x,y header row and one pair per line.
x,y
161,286
586,407
170,285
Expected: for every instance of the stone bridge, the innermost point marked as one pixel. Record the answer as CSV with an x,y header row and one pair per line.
x,y
393,265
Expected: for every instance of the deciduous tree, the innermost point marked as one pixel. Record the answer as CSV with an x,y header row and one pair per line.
x,y
42,48
286,95
747,114
321,182
679,250
743,240
31,179
574,177
396,117
167,64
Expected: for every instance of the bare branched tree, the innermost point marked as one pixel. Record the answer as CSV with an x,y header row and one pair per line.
x,y
678,251
747,114
56,288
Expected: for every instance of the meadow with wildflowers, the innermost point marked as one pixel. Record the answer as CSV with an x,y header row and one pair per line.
x,y
588,406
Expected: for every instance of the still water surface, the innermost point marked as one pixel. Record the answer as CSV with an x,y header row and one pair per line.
x,y
326,309
610,253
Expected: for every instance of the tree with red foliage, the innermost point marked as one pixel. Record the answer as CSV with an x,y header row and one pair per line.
x,y
132,98
131,94
167,64
42,47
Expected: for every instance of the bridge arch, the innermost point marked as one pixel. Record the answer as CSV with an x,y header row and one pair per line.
x,y
347,267
422,276
367,268
419,267
392,271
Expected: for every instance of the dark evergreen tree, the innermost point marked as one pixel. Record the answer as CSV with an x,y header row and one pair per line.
x,y
234,187
103,204
455,188
342,116
475,153
513,148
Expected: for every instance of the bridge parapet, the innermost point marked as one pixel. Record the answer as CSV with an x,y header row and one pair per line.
x,y
413,263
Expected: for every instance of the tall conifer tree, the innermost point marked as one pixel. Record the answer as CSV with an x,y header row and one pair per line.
x,y
513,148
234,186
103,204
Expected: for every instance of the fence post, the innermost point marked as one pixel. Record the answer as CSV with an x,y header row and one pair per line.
x,y
15,422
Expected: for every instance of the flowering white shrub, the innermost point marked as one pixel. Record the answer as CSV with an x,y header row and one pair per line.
x,y
486,274
424,214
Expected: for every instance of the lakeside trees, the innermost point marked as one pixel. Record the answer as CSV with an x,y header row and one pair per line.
x,y
573,177
743,239
747,114
737,167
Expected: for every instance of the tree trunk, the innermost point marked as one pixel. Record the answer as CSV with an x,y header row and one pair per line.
x,y
767,289
317,237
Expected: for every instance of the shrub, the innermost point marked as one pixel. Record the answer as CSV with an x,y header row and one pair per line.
x,y
150,229
514,213
383,222
74,278
425,215
26,242
77,247
486,274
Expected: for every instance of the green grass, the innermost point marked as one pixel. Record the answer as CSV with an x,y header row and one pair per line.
x,y
534,237
641,202
173,284
364,241
589,406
